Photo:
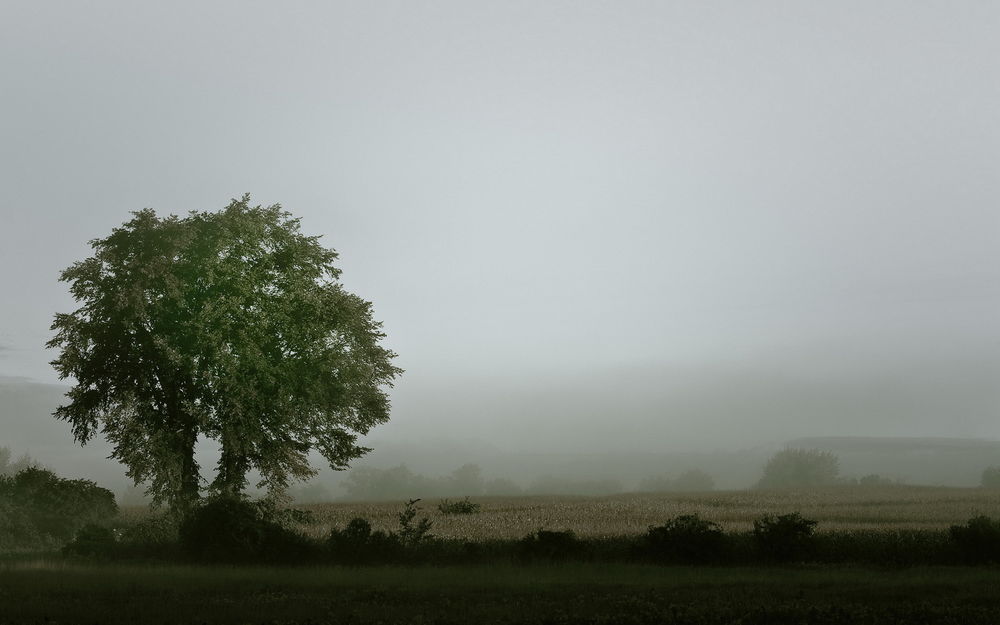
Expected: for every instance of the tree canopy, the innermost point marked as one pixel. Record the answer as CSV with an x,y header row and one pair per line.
x,y
228,325
800,468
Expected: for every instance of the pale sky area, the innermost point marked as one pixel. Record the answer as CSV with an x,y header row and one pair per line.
x,y
585,225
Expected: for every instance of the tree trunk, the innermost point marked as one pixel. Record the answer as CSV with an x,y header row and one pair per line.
x,y
233,466
187,488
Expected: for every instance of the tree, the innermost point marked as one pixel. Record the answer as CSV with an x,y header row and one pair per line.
x,y
990,477
8,467
228,325
795,468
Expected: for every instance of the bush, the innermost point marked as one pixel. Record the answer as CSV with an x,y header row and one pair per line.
x,y
95,541
357,544
41,510
800,468
874,479
150,537
550,545
232,529
458,507
990,477
978,540
686,538
411,534
786,537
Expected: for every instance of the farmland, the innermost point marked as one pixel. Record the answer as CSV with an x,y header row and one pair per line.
x,y
608,585
836,508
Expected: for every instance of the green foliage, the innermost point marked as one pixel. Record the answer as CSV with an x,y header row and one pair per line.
x,y
686,538
357,544
230,326
978,539
232,529
94,541
458,507
990,477
874,479
785,537
551,545
38,509
156,536
800,468
410,533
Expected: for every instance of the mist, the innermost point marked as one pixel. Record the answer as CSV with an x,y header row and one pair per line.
x,y
676,232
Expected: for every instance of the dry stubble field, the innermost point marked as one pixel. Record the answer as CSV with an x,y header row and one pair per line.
x,y
847,508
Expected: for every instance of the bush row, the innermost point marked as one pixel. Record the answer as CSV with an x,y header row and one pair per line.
x,y
236,530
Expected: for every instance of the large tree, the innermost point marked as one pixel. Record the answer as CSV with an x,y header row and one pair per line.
x,y
230,326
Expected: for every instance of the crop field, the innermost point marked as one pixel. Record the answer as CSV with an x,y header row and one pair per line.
x,y
847,508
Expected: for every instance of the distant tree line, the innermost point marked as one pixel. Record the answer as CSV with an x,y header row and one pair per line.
x,y
400,482
10,466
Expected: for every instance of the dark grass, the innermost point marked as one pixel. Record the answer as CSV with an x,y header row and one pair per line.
x,y
56,591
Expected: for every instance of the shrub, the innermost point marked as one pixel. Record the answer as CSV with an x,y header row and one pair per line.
x,y
42,510
150,537
798,468
95,541
232,529
357,543
550,545
411,534
990,477
874,479
786,537
686,538
978,540
458,507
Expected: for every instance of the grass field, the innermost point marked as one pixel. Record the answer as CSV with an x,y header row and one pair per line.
x,y
838,508
45,592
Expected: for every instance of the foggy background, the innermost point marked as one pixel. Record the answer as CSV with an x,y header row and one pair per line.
x,y
600,234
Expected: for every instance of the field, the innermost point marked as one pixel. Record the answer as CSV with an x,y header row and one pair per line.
x,y
36,589
39,592
847,508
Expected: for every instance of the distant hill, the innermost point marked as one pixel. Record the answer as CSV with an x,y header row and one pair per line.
x,y
914,460
894,443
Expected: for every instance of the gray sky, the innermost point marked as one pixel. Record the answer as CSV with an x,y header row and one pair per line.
x,y
724,222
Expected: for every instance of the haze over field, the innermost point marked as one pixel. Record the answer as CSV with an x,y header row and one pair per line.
x,y
628,227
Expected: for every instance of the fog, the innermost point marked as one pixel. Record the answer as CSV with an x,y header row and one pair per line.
x,y
684,233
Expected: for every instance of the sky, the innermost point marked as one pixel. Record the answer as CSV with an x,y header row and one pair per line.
x,y
584,225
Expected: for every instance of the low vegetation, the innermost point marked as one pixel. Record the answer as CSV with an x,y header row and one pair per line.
x,y
535,594
458,507
40,510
